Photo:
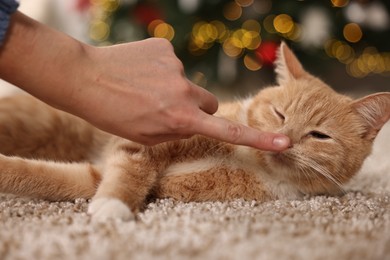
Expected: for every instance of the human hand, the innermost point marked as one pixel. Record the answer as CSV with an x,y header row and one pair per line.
x,y
139,91
136,90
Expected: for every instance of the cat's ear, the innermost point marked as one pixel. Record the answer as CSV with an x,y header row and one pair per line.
x,y
288,66
375,110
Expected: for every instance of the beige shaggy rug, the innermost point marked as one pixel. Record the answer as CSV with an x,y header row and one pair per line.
x,y
354,226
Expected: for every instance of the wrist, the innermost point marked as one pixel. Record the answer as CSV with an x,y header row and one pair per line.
x,y
45,63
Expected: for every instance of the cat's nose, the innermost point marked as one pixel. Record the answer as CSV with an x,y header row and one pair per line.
x,y
289,133
293,137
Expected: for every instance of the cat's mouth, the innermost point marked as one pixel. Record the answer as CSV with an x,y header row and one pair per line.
x,y
281,158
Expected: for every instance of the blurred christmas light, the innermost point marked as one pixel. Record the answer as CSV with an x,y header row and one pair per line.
x,y
283,23
352,32
267,52
244,3
99,30
207,32
223,32
152,26
295,34
251,25
377,16
250,31
232,11
189,6
232,47
251,40
339,3
268,23
372,14
107,5
355,13
164,30
315,27
203,35
251,63
262,7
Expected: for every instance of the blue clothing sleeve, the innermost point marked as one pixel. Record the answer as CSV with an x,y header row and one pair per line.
x,y
7,7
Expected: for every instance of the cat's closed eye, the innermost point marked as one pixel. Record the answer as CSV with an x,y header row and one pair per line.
x,y
319,135
279,114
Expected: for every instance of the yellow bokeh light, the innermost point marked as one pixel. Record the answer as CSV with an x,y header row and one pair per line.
x,y
99,30
295,34
339,3
232,11
386,60
354,70
328,47
207,32
251,63
223,32
268,23
251,40
152,26
370,61
283,23
106,5
344,53
232,47
251,25
196,48
164,30
352,32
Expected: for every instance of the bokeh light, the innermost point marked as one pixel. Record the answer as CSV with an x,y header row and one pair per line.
x,y
232,11
243,27
339,3
232,47
352,32
152,26
244,3
164,30
268,23
283,23
99,30
252,63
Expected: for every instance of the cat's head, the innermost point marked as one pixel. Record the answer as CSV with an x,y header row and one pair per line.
x,y
331,134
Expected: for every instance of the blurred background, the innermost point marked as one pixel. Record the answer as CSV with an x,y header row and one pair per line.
x,y
228,46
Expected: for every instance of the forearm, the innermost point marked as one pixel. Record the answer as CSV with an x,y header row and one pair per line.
x,y
42,61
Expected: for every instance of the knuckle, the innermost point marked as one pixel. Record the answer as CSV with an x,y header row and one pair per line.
x,y
170,63
235,132
174,63
163,42
186,88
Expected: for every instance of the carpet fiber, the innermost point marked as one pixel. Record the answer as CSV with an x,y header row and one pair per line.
x,y
353,226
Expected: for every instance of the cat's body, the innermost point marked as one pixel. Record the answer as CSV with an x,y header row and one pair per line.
x,y
52,155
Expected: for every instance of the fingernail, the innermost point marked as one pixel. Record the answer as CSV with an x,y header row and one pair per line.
x,y
281,142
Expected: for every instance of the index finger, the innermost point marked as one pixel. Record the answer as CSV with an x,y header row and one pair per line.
x,y
236,133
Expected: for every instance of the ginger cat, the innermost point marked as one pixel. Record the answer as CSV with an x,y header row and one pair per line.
x,y
52,155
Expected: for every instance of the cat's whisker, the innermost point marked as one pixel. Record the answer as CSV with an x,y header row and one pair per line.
x,y
325,173
305,163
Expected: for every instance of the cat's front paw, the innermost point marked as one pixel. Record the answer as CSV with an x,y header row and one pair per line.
x,y
103,209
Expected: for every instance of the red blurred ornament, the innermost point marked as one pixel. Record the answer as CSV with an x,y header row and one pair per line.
x,y
82,5
266,52
145,14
